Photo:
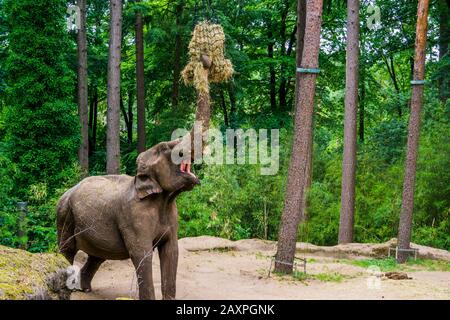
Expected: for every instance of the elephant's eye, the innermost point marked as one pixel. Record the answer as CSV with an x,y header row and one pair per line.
x,y
180,153
164,148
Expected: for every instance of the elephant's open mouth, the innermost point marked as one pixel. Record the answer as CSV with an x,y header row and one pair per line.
x,y
185,169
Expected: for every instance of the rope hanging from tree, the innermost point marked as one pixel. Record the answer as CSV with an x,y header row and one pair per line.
x,y
207,62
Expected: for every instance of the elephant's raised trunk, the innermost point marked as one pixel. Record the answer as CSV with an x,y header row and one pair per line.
x,y
202,115
192,145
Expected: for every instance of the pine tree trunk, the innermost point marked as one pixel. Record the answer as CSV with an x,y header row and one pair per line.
x,y
83,112
362,106
224,107
130,117
91,119
233,108
297,175
351,108
140,85
94,125
301,23
406,215
126,119
113,113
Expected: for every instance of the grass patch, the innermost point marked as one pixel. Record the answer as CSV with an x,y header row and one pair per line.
x,y
300,276
221,249
329,277
385,265
430,265
324,277
260,256
389,264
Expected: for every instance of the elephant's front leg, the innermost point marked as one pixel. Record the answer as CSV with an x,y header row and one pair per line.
x,y
168,256
142,261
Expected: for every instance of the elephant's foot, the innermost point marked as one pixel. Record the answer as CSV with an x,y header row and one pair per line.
x,y
88,271
85,284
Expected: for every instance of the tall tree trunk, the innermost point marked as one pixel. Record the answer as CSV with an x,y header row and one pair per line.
x,y
126,119
91,117
406,216
177,54
301,23
93,120
233,109
351,107
297,176
397,87
391,70
94,125
140,85
272,80
130,116
83,151
362,105
224,107
113,113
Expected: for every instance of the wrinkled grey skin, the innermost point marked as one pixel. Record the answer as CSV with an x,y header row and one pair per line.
x,y
119,217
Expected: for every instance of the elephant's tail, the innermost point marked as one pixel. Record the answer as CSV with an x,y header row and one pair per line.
x,y
66,225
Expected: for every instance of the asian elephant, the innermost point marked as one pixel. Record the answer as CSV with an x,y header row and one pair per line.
x,y
119,217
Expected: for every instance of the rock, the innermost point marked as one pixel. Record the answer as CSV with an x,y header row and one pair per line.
x,y
32,276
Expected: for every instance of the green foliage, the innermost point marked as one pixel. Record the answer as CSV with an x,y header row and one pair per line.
x,y
230,201
38,123
235,201
40,119
378,194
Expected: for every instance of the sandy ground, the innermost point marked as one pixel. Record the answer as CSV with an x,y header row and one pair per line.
x,y
213,274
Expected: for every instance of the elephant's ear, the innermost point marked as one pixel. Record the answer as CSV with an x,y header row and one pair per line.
x,y
145,186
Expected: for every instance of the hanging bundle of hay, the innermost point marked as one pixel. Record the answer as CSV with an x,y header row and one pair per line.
x,y
207,62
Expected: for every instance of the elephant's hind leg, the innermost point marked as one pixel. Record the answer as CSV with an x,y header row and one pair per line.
x,y
88,271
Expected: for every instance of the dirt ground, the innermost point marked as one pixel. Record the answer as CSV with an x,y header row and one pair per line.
x,y
219,272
